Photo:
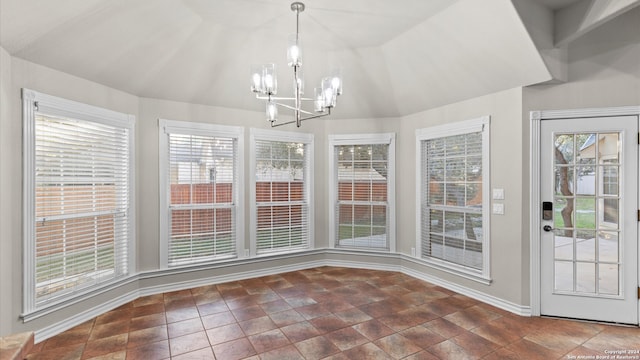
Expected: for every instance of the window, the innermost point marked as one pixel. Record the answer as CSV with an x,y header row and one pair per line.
x,y
281,191
200,168
453,183
78,211
362,189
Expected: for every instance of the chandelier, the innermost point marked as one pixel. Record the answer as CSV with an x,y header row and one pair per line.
x,y
265,85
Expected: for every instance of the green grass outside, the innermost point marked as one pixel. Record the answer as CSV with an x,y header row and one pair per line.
x,y
584,215
349,231
273,239
205,246
79,262
51,267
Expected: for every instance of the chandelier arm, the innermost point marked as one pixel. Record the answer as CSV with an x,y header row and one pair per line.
x,y
307,112
274,124
294,109
315,116
266,97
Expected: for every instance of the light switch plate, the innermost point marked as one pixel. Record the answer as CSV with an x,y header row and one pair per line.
x,y
498,194
498,209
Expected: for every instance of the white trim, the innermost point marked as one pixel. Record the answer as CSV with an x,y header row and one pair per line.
x,y
223,278
509,306
79,318
374,261
28,200
280,136
132,246
418,210
587,112
451,129
536,117
333,179
454,269
361,265
310,174
33,102
391,194
166,127
54,105
78,298
481,124
163,216
364,139
188,128
536,211
277,135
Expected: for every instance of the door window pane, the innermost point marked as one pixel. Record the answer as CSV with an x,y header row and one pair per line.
x,y
608,275
608,246
586,246
563,276
586,203
586,277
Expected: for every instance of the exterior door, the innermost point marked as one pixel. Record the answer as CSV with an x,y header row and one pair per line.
x,y
589,242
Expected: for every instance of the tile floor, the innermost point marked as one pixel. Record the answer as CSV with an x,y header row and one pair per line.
x,y
327,312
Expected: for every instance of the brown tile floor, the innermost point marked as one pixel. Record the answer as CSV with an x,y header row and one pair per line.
x,y
327,312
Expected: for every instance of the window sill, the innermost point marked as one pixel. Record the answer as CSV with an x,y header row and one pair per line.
x,y
362,250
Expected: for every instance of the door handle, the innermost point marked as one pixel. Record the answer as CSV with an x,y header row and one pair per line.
x,y
547,228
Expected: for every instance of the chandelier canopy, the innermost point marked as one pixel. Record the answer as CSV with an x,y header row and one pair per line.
x,y
265,84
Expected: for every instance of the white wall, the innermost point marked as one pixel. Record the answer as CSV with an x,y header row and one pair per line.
x,y
604,70
7,198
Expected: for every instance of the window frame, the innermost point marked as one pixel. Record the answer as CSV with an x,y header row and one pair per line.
x,y
363,139
165,127
281,136
35,102
480,124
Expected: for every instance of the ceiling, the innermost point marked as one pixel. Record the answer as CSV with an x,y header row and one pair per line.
x,y
556,4
396,60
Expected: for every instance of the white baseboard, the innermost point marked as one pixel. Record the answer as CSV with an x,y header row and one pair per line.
x,y
474,294
68,323
375,261
361,265
219,279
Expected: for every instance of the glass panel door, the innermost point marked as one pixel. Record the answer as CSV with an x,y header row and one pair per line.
x,y
589,246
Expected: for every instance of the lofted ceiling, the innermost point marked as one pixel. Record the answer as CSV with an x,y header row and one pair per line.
x,y
397,57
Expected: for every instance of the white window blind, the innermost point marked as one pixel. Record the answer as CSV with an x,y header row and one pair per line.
x,y
202,190
281,196
454,219
81,223
362,216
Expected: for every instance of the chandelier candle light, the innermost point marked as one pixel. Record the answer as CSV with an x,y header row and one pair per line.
x,y
265,84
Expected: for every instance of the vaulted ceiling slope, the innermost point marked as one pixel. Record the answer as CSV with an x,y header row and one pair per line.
x,y
397,57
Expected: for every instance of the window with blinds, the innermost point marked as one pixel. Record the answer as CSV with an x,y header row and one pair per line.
x,y
282,195
79,186
454,217
201,183
361,188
